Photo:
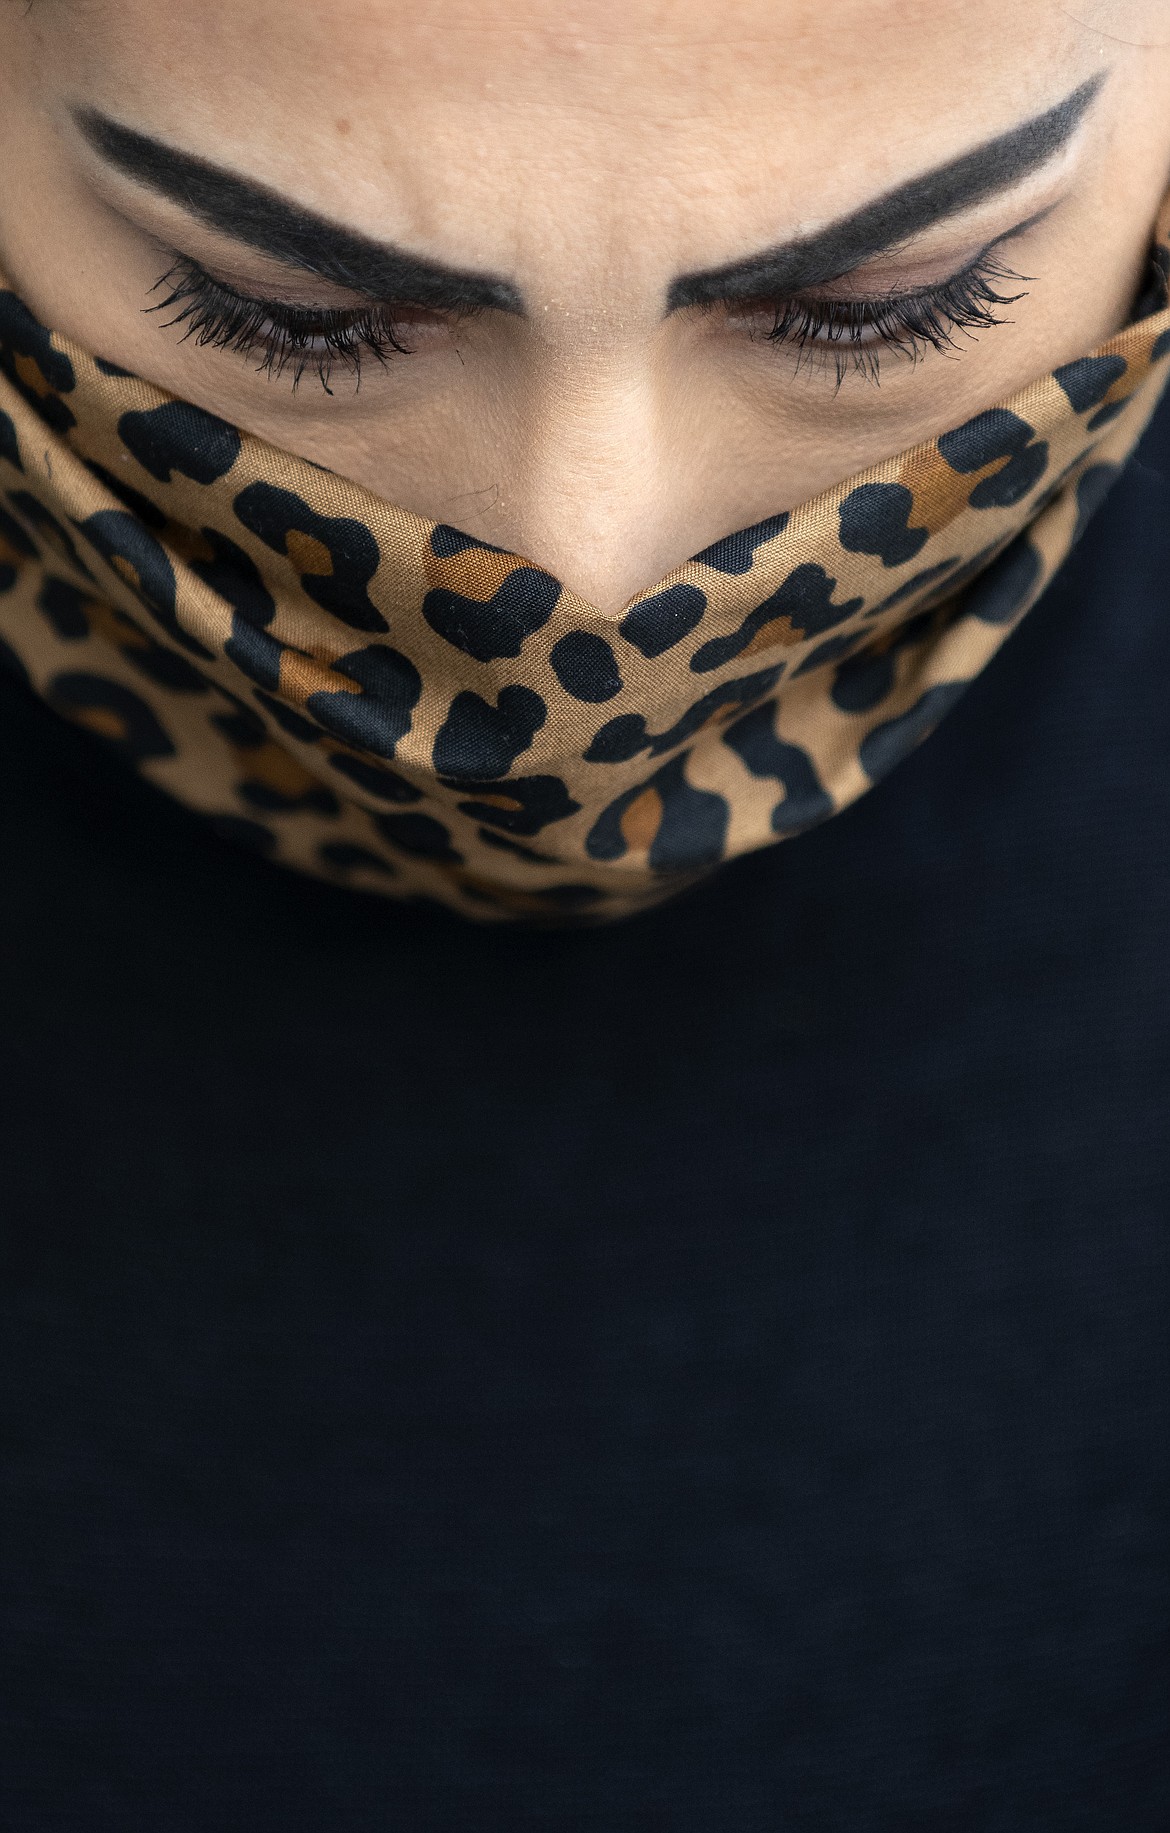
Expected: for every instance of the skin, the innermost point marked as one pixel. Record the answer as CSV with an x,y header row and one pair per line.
x,y
588,155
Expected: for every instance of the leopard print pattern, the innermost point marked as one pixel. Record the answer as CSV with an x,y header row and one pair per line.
x,y
386,702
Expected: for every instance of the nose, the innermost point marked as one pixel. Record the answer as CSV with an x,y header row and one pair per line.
x,y
603,495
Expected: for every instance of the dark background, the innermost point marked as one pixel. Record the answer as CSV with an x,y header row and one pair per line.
x,y
707,1373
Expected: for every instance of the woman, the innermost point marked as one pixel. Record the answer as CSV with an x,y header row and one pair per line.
x,y
700,1372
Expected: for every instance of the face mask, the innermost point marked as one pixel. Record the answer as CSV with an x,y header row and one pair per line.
x,y
384,701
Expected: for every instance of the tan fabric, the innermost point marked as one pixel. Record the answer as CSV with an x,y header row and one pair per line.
x,y
370,697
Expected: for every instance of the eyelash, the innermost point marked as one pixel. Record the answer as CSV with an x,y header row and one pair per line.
x,y
296,339
851,331
289,339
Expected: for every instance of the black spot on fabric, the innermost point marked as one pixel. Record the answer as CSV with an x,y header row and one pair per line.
x,y
15,548
737,553
804,602
234,575
753,739
253,836
11,663
966,571
106,368
419,835
48,532
520,805
241,726
586,667
16,534
255,653
488,629
478,740
1000,594
64,606
624,737
1013,483
380,715
335,557
180,437
620,739
148,512
345,856
9,443
685,828
910,587
863,681
160,664
503,844
1093,486
1107,413
142,563
656,624
1089,379
829,651
37,371
375,779
998,433
289,720
875,520
1161,347
889,743
113,712
447,542
314,797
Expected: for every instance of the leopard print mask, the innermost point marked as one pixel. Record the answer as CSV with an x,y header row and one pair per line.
x,y
386,702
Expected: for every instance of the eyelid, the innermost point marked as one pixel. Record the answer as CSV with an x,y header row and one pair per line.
x,y
288,339
355,306
858,293
852,334
250,295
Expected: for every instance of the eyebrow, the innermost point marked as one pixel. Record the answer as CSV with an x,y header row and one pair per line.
x,y
893,218
253,214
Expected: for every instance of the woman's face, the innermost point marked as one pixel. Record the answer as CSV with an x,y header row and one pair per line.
x,y
661,267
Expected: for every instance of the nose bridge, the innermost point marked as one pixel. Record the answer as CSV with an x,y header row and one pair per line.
x,y
595,502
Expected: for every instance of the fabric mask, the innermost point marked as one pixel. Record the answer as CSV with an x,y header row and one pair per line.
x,y
384,701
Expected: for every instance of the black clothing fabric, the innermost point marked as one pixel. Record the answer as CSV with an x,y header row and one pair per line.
x,y
708,1373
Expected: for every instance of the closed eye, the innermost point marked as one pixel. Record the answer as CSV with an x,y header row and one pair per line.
x,y
287,340
851,333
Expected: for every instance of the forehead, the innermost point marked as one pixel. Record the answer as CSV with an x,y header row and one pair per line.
x,y
653,58
473,117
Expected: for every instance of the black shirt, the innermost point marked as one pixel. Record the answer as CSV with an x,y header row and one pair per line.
x,y
704,1373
